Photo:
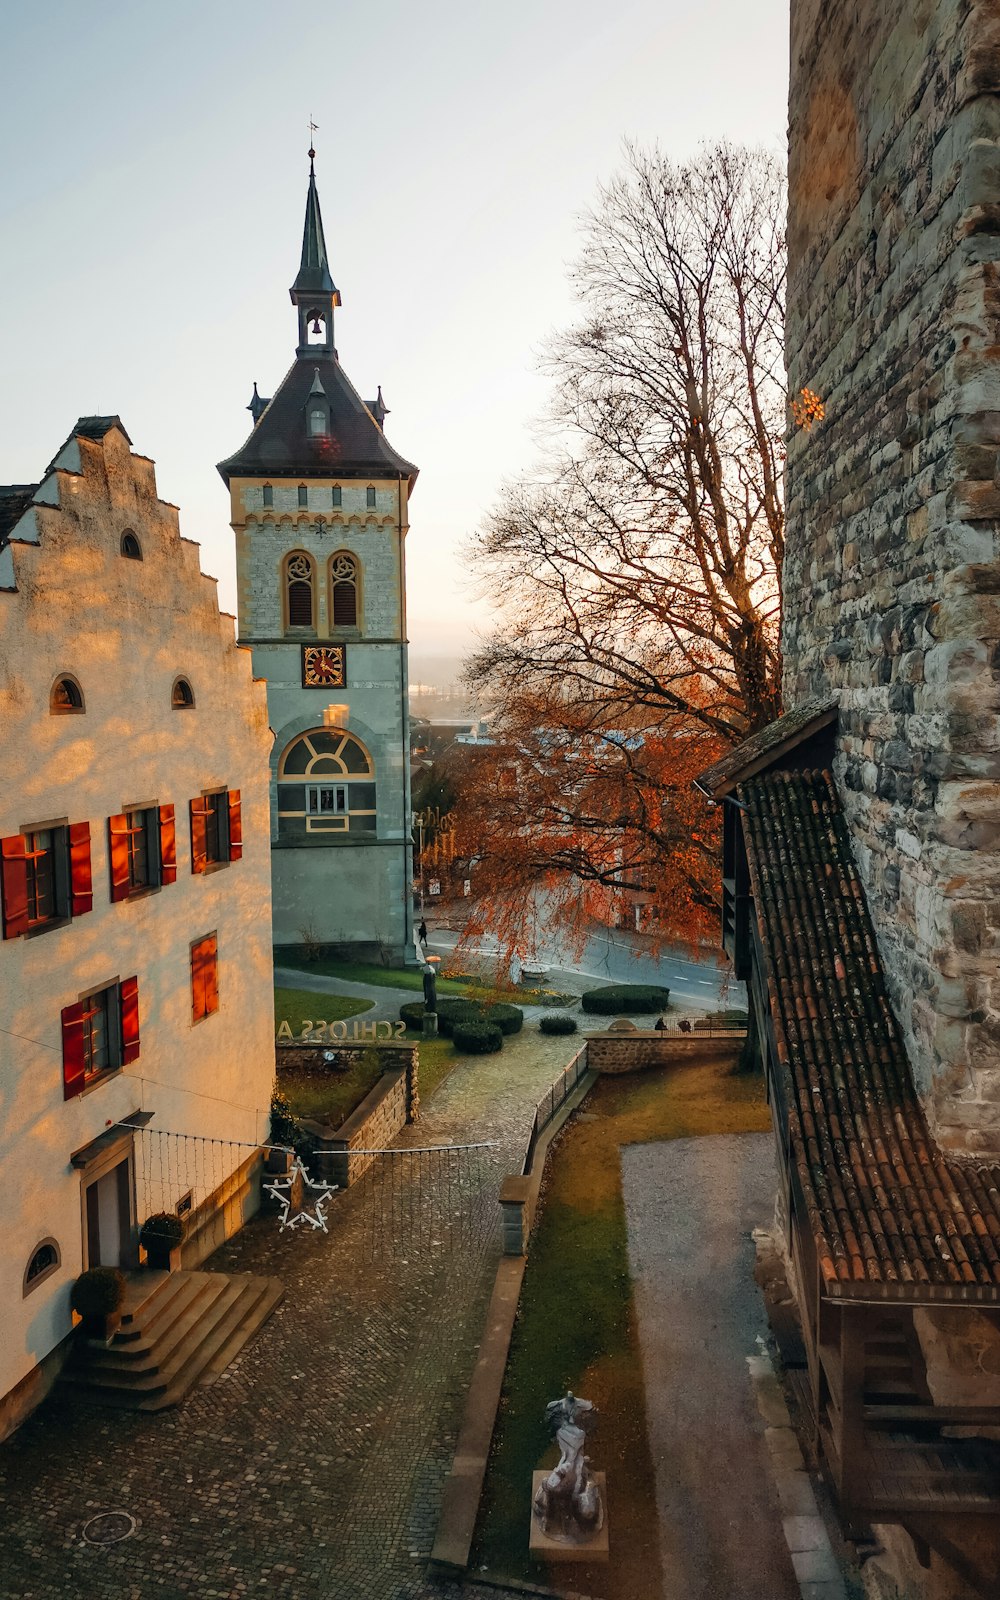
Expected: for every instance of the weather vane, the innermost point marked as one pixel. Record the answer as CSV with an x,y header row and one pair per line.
x,y
313,128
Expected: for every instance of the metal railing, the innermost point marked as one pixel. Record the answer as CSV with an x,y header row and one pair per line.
x,y
550,1102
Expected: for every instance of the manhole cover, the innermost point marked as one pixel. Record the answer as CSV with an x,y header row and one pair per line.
x,y
108,1527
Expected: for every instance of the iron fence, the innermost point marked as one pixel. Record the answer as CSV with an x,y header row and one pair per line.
x,y
552,1100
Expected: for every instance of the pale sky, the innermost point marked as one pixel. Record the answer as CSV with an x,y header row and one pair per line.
x,y
151,205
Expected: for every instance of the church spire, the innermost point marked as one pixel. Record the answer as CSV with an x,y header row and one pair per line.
x,y
314,291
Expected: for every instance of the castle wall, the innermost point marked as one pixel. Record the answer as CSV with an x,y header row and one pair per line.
x,y
892,580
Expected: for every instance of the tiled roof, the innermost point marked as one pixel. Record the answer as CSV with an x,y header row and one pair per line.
x,y
886,1206
280,446
765,746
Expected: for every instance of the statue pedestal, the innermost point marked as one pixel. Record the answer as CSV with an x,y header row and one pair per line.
x,y
593,1548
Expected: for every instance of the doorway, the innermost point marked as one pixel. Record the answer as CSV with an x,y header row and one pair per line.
x,y
109,1217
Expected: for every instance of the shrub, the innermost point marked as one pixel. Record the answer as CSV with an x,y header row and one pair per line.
x,y
413,1014
616,999
98,1292
557,1025
509,1019
477,1038
163,1228
452,1011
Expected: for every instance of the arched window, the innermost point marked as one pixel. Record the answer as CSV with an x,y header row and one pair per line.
x,y
66,696
181,695
299,587
326,784
43,1263
344,584
131,546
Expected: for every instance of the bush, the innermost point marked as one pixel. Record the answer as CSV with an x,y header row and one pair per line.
x,y
453,1011
557,1025
284,1123
163,1227
98,1292
618,999
413,1014
477,1038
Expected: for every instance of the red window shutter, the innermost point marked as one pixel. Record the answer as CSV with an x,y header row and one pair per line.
x,y
81,883
129,996
72,1046
197,981
235,826
118,857
168,845
198,810
211,969
14,871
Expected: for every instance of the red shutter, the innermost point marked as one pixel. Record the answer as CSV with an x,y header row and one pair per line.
x,y
235,826
14,871
211,971
81,886
197,981
168,845
118,857
198,810
129,995
72,1046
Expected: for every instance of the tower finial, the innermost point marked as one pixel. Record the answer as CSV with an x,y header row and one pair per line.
x,y
313,128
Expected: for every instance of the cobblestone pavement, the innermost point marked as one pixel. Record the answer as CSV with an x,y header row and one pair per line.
x,y
312,1469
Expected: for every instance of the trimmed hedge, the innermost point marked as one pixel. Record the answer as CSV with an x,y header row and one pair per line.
x,y
477,1038
557,1025
621,999
452,1012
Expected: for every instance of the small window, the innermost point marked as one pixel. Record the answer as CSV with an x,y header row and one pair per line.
x,y
336,495
299,589
317,422
268,494
344,589
181,695
131,546
370,495
303,495
44,1262
216,829
66,696
46,856
326,800
204,977
100,1035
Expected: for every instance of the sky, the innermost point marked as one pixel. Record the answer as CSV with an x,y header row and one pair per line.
x,y
151,206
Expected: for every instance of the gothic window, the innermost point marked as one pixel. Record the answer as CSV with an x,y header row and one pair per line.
x,y
181,695
268,494
299,589
303,495
326,785
131,546
370,495
66,696
344,583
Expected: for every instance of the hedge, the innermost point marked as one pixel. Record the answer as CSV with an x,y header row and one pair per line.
x,y
557,1025
451,1012
618,999
477,1038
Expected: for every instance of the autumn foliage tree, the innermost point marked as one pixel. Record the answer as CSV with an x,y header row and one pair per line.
x,y
637,572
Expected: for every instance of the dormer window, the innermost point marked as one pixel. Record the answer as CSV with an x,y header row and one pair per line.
x,y
317,421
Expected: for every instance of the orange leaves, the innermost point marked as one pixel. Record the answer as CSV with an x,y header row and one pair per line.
x,y
807,409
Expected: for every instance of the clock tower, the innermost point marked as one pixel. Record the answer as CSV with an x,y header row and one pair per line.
x,y
320,507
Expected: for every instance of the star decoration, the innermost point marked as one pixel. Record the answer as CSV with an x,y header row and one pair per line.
x,y
282,1190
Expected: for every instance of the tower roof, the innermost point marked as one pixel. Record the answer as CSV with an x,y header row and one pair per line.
x,y
314,269
353,444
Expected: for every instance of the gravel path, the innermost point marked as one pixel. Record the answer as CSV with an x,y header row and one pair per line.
x,y
690,1207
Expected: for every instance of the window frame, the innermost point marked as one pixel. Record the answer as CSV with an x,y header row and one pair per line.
x,y
229,830
122,858
130,555
30,1284
287,581
118,1000
181,694
72,710
355,582
371,501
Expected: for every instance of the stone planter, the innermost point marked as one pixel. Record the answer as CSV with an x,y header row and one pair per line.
x,y
163,1257
101,1328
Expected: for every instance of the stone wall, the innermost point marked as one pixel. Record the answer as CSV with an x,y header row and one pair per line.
x,y
383,1113
892,583
640,1049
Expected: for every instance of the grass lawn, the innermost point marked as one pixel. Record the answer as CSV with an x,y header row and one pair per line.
x,y
577,1329
323,1096
296,1006
362,972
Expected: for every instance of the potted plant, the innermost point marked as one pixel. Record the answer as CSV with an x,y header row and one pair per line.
x,y
160,1237
97,1297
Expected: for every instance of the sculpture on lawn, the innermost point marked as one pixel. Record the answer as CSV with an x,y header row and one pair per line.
x,y
568,1502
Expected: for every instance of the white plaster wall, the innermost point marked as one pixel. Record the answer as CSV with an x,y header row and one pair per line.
x,y
125,630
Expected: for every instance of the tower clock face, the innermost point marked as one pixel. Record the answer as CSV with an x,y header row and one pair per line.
x,y
323,666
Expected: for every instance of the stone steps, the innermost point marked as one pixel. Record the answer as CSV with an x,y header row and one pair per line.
x,y
186,1331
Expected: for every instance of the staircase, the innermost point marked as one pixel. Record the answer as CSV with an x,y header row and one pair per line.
x,y
185,1329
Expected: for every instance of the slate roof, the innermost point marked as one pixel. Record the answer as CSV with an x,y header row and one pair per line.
x,y
766,746
280,446
15,498
890,1213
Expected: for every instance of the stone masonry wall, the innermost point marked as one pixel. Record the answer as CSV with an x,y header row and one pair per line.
x,y
892,581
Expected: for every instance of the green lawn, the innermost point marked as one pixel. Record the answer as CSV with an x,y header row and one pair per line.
x,y
361,972
576,1326
296,1006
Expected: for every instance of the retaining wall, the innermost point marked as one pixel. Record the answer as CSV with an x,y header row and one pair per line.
x,y
641,1048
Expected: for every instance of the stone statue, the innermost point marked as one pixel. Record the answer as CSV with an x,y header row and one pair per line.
x,y
430,989
568,1502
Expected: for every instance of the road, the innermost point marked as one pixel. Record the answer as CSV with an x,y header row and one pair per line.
x,y
619,957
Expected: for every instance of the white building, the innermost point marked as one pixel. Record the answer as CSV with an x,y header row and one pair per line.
x,y
135,974
319,506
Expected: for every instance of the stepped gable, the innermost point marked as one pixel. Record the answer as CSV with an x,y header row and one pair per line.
x,y
353,446
887,1209
15,498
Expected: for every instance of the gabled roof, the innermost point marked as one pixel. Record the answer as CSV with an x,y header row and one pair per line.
x,y
769,745
280,445
15,498
891,1215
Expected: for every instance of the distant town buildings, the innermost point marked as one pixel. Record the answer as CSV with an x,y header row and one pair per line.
x,y
320,509
136,1051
